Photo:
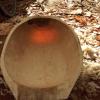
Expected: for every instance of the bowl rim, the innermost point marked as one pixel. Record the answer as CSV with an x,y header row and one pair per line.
x,y
3,67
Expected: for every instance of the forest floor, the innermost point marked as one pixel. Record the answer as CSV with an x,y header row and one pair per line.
x,y
85,20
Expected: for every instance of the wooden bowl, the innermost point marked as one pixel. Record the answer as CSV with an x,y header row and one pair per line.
x,y
41,54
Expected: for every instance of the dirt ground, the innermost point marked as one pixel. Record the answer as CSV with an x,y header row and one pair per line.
x,y
85,20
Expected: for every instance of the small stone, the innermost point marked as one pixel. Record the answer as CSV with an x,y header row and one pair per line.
x,y
88,14
78,11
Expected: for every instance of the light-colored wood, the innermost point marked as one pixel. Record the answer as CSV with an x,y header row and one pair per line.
x,y
35,69
37,94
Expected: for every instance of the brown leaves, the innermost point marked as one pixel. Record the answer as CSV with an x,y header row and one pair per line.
x,y
97,29
5,28
92,19
98,37
98,43
86,20
81,19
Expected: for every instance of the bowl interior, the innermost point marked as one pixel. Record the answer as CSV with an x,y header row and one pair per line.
x,y
41,53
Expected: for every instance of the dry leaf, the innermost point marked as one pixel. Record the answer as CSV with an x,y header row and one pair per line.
x,y
5,28
81,19
98,37
92,19
97,29
98,43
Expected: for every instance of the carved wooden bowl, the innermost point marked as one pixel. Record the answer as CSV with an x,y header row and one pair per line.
x,y
41,55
